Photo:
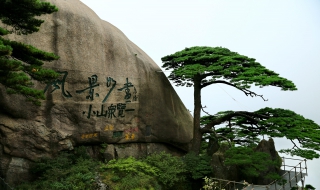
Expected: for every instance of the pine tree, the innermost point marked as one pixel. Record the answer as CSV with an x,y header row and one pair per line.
x,y
21,63
201,67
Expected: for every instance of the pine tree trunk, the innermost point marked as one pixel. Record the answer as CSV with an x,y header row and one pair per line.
x,y
197,135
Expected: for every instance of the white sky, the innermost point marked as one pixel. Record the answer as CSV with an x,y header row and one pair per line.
x,y
282,35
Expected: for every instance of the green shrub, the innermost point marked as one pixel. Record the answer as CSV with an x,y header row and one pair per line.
x,y
157,171
309,187
68,171
103,147
129,173
251,163
130,165
171,169
198,166
76,170
130,182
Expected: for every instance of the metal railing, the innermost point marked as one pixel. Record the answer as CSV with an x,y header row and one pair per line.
x,y
295,176
4,185
277,184
233,185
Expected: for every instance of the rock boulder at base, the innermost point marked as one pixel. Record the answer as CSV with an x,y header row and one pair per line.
x,y
109,91
269,148
233,173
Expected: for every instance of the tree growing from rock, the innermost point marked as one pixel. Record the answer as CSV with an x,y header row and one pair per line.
x,y
21,63
199,67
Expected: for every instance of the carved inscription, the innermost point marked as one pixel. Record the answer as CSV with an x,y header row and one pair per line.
x,y
59,84
97,90
117,134
89,135
111,110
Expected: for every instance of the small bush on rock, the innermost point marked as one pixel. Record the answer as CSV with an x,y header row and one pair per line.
x,y
171,169
198,166
251,163
157,171
129,173
68,171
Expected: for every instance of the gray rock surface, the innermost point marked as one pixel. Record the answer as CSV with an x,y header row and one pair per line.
x,y
137,150
269,148
232,173
220,170
109,91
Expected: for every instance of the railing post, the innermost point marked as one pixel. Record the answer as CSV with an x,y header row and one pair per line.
x,y
284,169
305,164
5,184
295,174
300,171
302,183
289,180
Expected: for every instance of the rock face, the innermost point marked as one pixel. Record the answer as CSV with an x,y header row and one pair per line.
x,y
233,173
109,91
220,170
269,148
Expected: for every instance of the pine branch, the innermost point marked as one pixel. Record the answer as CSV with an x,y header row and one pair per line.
x,y
203,130
294,144
205,111
245,91
248,115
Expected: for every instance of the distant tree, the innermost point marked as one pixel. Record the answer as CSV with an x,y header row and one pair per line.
x,y
20,63
203,66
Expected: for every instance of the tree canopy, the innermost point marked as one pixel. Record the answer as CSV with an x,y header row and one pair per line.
x,y
245,128
211,65
21,63
202,66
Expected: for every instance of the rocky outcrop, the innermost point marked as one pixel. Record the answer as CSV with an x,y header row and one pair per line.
x,y
269,148
220,170
109,91
233,173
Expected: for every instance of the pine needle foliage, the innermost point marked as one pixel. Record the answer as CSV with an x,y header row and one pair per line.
x,y
244,129
250,163
21,63
20,14
218,63
198,166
